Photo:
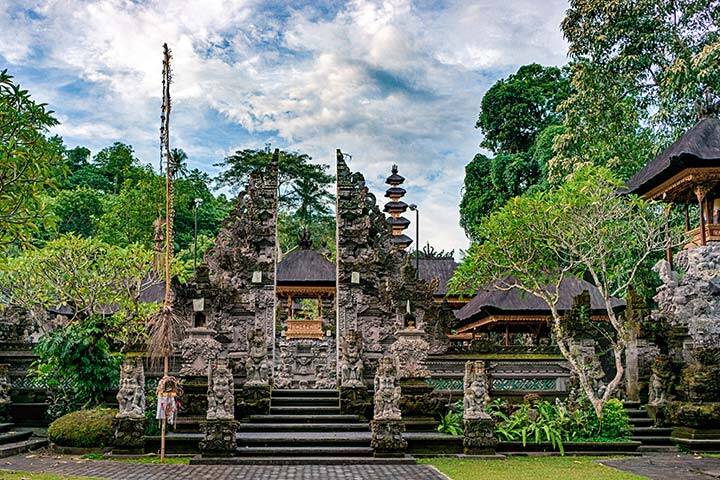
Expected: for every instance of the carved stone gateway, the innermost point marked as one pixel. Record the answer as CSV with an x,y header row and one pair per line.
x,y
351,363
130,419
479,432
257,366
4,391
387,427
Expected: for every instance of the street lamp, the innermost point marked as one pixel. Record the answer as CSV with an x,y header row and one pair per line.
x,y
196,203
415,209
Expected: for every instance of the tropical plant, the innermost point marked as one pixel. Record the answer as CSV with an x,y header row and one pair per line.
x,y
451,423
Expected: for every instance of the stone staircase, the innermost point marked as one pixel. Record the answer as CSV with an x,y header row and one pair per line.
x,y
304,427
15,441
652,438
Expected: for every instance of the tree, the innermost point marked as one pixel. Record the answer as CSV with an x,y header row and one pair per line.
x,y
98,288
77,158
296,177
515,109
78,211
178,162
30,162
117,163
638,71
583,227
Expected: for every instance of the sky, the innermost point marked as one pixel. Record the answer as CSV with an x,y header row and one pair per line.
x,y
387,82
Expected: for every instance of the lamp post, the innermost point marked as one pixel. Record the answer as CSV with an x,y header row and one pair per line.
x,y
196,203
415,209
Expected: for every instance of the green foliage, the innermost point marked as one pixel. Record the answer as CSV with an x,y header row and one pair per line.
x,y
77,363
30,162
78,211
85,428
118,164
639,70
451,423
515,109
322,232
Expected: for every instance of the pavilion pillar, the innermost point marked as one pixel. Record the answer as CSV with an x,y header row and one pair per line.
x,y
668,242
701,192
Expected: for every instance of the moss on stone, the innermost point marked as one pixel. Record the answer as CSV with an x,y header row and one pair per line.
x,y
84,428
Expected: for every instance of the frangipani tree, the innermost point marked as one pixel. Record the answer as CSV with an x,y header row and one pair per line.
x,y
583,227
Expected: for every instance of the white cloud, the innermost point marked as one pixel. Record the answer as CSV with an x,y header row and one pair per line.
x,y
387,81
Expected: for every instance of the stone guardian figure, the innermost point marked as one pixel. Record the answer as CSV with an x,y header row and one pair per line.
x,y
130,420
387,427
220,427
479,434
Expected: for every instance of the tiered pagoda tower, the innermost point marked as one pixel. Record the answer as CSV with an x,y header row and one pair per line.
x,y
395,208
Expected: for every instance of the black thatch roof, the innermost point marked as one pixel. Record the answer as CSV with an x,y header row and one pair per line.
x,y
441,268
491,300
305,266
698,147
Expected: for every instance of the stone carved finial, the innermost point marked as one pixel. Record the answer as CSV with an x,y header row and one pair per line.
x,y
475,391
257,366
131,395
351,364
387,391
221,390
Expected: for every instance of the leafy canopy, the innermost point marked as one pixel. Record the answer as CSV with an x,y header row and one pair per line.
x,y
30,162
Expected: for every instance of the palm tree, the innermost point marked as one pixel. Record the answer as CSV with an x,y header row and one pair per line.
x,y
178,162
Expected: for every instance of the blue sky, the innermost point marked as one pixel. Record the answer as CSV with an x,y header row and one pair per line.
x,y
386,81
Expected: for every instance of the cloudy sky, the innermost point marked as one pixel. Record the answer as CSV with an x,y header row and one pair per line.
x,y
388,82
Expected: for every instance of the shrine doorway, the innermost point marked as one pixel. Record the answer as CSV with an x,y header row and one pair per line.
x,y
305,353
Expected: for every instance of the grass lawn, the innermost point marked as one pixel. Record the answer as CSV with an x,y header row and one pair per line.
x,y
529,468
15,475
147,459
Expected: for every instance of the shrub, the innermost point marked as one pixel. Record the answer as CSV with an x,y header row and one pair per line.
x,y
615,423
84,428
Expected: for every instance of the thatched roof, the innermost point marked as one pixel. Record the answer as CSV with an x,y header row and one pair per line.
x,y
492,300
305,266
698,147
441,268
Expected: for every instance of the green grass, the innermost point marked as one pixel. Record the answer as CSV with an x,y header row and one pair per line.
x,y
529,468
146,459
17,475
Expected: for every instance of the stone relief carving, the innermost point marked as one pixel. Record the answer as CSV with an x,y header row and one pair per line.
x,y
257,366
387,391
411,351
221,390
197,351
351,363
475,391
5,399
306,363
131,395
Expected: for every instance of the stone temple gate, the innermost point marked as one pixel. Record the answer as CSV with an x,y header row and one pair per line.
x,y
283,321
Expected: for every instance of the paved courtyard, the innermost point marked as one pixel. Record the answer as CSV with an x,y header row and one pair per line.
x,y
130,471
669,467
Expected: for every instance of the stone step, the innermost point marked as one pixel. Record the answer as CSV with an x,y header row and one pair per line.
x,y
651,431
641,422
303,427
428,424
289,442
14,436
327,460
304,393
304,410
305,451
630,404
309,418
657,449
648,440
4,427
636,413
304,401
10,449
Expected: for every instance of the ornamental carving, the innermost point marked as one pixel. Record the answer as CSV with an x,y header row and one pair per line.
x,y
4,389
387,391
351,364
221,390
131,395
257,366
411,351
475,391
198,350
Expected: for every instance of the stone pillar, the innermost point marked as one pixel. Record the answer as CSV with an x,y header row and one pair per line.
x,y
130,420
220,428
387,426
479,433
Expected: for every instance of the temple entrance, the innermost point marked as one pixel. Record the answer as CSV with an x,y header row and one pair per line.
x,y
305,323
